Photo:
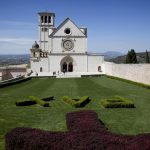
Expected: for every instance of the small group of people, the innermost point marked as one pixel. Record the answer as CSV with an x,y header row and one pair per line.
x,y
64,71
58,73
54,73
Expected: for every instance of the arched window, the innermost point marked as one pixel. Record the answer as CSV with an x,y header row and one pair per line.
x,y
99,69
49,19
34,54
45,19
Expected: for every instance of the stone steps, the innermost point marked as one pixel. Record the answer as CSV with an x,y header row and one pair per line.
x,y
66,75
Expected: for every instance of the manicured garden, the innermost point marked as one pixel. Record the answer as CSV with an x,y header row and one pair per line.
x,y
129,121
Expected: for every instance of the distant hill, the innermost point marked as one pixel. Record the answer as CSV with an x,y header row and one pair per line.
x,y
112,54
24,58
141,57
14,59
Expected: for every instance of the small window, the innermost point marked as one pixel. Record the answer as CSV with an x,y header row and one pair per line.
x,y
67,31
45,19
34,54
99,69
44,29
41,69
49,19
42,19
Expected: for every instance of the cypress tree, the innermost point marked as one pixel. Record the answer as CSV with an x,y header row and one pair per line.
x,y
128,58
147,57
131,57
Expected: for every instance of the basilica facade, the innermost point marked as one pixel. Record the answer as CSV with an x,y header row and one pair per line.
x,y
62,48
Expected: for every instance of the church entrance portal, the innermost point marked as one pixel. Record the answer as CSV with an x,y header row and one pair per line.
x,y
67,67
66,64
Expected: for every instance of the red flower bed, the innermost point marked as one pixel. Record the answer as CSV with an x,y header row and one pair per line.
x,y
86,132
84,121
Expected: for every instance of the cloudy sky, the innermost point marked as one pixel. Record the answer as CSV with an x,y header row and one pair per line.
x,y
113,25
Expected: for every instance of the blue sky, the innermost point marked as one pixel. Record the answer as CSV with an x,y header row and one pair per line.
x,y
113,25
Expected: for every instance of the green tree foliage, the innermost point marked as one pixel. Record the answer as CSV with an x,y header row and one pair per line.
x,y
128,58
133,54
131,57
147,57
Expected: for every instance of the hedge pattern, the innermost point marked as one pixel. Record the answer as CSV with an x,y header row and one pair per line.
x,y
39,101
117,102
35,100
49,98
86,132
25,102
77,102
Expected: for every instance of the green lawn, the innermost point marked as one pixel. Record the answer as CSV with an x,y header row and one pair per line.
x,y
124,121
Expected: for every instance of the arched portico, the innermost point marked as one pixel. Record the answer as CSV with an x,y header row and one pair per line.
x,y
66,64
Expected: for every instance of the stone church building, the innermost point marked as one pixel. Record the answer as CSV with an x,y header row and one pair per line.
x,y
62,48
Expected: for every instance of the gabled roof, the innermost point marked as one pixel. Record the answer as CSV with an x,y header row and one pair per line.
x,y
62,24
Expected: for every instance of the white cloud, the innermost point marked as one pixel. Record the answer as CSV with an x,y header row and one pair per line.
x,y
15,45
17,23
11,48
14,36
20,41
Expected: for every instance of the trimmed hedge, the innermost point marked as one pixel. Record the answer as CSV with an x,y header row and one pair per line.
x,y
129,81
117,102
14,82
90,134
92,75
25,103
39,101
68,100
83,101
34,139
34,100
77,102
12,79
46,99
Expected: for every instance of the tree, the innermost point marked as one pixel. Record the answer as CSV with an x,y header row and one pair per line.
x,y
131,57
147,57
128,58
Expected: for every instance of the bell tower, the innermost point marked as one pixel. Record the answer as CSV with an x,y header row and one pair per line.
x,y
46,22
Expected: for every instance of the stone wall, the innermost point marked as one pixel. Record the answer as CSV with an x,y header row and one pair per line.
x,y
134,72
11,72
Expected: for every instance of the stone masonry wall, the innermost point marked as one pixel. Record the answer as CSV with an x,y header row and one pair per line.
x,y
134,72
